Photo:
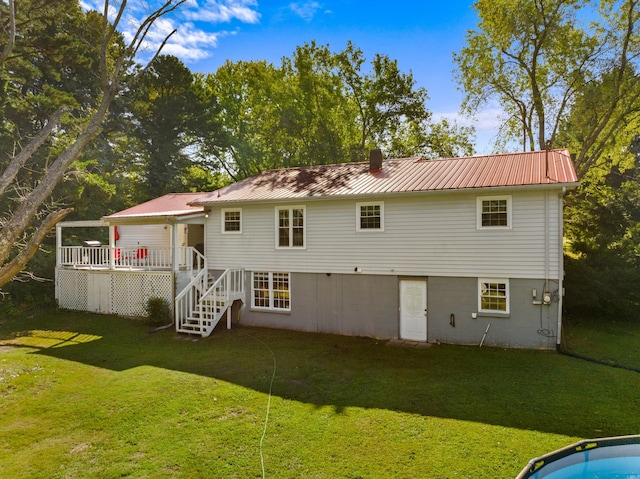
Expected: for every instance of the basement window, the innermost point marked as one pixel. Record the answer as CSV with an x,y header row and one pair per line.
x,y
270,291
493,295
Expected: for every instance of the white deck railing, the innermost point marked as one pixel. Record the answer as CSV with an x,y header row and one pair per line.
x,y
137,257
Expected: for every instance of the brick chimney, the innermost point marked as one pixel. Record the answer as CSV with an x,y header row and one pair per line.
x,y
375,160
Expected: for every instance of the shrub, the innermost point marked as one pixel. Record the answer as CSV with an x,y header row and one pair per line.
x,y
158,311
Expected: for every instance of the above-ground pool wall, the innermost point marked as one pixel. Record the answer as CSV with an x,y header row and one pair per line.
x,y
350,305
526,326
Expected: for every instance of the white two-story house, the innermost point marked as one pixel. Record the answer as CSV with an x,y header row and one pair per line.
x,y
460,250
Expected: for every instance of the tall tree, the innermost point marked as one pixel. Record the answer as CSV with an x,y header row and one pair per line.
x,y
536,57
320,117
603,232
320,107
30,215
253,107
385,99
169,120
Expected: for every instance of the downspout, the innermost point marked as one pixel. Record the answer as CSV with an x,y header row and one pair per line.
x,y
560,264
546,241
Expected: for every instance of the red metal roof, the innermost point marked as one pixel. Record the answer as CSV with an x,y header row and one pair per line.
x,y
404,175
173,204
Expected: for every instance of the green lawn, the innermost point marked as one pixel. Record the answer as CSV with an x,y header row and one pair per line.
x,y
608,341
96,396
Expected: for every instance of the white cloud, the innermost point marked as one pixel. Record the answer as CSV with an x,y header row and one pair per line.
x,y
305,10
193,39
486,120
188,43
224,11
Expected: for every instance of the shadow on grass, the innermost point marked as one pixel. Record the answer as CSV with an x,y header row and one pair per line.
x,y
533,390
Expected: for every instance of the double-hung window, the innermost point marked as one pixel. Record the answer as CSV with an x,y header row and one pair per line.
x,y
493,295
232,220
290,227
271,291
494,212
370,216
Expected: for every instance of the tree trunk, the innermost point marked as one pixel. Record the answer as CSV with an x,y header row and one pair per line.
x,y
19,221
11,268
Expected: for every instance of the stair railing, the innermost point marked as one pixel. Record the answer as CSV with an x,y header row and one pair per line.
x,y
199,309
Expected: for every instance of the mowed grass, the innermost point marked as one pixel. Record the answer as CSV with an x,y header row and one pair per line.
x,y
615,342
92,396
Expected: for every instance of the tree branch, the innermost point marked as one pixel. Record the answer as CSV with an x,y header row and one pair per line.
x,y
18,161
11,268
29,206
12,33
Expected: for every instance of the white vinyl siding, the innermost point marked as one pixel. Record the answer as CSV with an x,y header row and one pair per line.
x,y
425,235
151,236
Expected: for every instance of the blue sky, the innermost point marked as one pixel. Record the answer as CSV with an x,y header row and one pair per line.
x,y
420,34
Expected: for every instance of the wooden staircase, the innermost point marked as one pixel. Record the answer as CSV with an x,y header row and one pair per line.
x,y
200,306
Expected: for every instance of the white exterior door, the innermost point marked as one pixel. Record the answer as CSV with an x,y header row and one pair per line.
x,y
413,309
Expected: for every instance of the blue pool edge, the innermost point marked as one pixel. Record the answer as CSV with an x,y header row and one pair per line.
x,y
537,464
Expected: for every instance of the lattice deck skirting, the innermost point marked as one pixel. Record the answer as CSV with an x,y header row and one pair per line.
x,y
124,293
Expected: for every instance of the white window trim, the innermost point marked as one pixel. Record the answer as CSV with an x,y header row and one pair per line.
x,y
222,221
507,291
479,201
370,203
304,226
271,306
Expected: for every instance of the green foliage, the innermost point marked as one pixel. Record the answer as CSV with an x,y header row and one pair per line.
x,y
35,288
603,231
538,58
158,311
169,115
53,64
320,107
8,308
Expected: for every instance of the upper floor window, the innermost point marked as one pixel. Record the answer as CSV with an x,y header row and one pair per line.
x,y
494,212
370,216
232,220
290,227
